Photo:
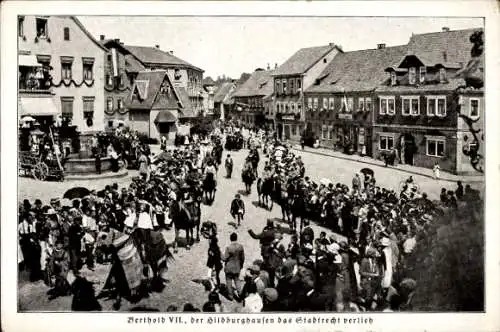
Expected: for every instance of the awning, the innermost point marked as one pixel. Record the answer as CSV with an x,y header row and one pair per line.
x,y
28,60
165,117
34,106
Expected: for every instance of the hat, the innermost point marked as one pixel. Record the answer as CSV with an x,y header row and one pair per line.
x,y
254,268
371,252
50,211
385,241
270,294
54,201
333,248
308,246
258,262
337,259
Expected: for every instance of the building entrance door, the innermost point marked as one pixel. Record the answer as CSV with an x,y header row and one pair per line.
x,y
287,131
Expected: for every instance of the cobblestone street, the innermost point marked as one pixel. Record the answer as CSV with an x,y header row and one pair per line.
x,y
189,265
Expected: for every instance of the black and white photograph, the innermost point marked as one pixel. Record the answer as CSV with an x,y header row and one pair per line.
x,y
250,164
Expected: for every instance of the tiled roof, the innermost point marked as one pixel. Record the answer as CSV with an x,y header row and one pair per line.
x,y
132,65
445,47
87,33
362,70
452,84
148,83
187,108
153,55
222,91
303,59
260,83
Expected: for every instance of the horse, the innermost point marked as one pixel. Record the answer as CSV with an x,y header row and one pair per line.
x,y
248,177
209,187
186,217
297,205
280,196
265,190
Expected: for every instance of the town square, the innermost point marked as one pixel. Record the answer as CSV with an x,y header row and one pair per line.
x,y
328,178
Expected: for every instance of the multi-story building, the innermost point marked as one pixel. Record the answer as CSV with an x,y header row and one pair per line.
x,y
291,79
417,110
339,105
156,107
181,73
120,70
249,97
61,72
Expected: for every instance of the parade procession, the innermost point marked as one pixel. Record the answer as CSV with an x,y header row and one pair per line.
x,y
169,191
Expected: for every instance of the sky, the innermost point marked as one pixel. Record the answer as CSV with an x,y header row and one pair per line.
x,y
233,45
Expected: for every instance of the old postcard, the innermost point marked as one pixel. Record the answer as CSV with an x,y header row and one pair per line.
x,y
216,165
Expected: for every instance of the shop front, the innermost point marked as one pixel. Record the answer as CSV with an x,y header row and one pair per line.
x,y
289,127
352,136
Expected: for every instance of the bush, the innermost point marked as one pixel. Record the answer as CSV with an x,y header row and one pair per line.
x,y
448,262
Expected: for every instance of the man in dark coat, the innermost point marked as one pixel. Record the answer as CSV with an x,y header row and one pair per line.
x,y
237,209
234,257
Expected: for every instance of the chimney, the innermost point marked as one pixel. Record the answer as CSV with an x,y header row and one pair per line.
x,y
102,37
157,46
275,66
445,29
171,52
380,46
268,67
117,40
331,44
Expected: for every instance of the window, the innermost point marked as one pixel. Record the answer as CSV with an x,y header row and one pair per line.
x,y
88,107
309,103
436,106
435,147
66,33
386,142
120,104
292,107
422,73
41,28
387,105
324,60
474,108
109,80
88,69
278,106
284,86
325,103
315,103
412,75
277,87
299,108
473,146
394,79
368,104
442,75
331,103
324,132
292,86
20,26
67,107
331,133
361,104
66,72
110,123
177,74
109,104
294,130
411,105
350,104
299,84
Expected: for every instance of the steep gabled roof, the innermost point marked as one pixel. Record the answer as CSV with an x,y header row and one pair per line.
x,y
449,48
260,83
187,109
153,55
148,84
223,90
304,59
361,70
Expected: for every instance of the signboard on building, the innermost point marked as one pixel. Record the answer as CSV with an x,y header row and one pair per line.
x,y
345,116
288,117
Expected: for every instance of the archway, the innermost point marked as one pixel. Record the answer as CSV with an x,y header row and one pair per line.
x,y
407,148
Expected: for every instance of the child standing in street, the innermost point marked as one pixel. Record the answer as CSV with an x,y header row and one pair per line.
x,y
436,170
